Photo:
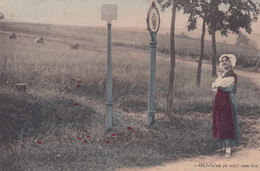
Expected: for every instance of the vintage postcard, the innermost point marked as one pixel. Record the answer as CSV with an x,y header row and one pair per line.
x,y
140,85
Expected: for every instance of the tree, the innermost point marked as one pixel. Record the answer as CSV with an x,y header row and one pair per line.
x,y
198,9
215,22
238,14
241,14
176,5
235,14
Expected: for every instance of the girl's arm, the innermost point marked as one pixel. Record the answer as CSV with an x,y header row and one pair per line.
x,y
223,83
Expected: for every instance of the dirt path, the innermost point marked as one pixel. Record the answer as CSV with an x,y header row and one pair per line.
x,y
243,159
255,77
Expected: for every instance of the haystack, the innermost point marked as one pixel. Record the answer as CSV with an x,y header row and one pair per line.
x,y
13,36
75,46
40,40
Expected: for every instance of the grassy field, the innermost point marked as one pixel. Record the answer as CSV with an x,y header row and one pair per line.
x,y
58,124
186,47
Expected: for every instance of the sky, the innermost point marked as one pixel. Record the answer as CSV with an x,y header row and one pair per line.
x,y
131,13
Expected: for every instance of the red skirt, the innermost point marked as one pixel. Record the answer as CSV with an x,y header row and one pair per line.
x,y
223,121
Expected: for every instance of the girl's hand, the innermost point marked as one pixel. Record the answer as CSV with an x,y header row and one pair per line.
x,y
213,86
219,73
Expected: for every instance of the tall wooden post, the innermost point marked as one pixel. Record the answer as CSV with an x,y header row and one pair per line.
x,y
109,98
153,23
109,13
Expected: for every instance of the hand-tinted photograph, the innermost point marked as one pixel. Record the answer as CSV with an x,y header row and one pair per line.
x,y
129,85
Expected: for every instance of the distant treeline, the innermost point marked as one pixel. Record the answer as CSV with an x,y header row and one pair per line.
x,y
246,58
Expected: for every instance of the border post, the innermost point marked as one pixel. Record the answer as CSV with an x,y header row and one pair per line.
x,y
153,24
109,13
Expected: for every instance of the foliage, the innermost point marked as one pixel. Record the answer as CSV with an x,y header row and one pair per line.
x,y
232,16
167,3
241,14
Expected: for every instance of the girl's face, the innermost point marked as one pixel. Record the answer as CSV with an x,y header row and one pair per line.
x,y
225,63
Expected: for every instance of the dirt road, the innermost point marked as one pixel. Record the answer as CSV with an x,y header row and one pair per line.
x,y
244,159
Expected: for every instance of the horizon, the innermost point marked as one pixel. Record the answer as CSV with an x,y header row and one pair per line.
x,y
86,13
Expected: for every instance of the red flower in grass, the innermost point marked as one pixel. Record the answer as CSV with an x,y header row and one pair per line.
x,y
79,81
79,139
73,79
129,128
85,141
78,85
108,142
114,135
88,136
76,104
65,88
40,143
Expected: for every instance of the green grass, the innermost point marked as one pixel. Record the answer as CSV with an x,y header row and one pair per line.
x,y
47,114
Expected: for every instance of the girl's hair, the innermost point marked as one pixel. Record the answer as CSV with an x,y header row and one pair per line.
x,y
226,57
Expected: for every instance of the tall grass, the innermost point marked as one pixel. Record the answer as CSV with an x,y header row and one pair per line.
x,y
48,68
40,128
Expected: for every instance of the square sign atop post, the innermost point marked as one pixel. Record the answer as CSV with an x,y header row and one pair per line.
x,y
109,12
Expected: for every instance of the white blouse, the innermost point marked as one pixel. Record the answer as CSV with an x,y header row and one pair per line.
x,y
222,82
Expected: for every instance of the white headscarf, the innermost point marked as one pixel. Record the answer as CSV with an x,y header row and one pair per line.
x,y
232,59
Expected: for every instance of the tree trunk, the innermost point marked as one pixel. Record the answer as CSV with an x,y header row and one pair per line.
x,y
214,57
201,52
172,67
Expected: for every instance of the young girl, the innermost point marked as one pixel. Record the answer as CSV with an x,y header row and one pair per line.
x,y
225,123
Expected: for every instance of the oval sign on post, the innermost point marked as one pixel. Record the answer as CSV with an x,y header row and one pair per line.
x,y
153,19
108,12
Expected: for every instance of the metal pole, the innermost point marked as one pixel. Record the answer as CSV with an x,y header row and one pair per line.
x,y
109,100
151,113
